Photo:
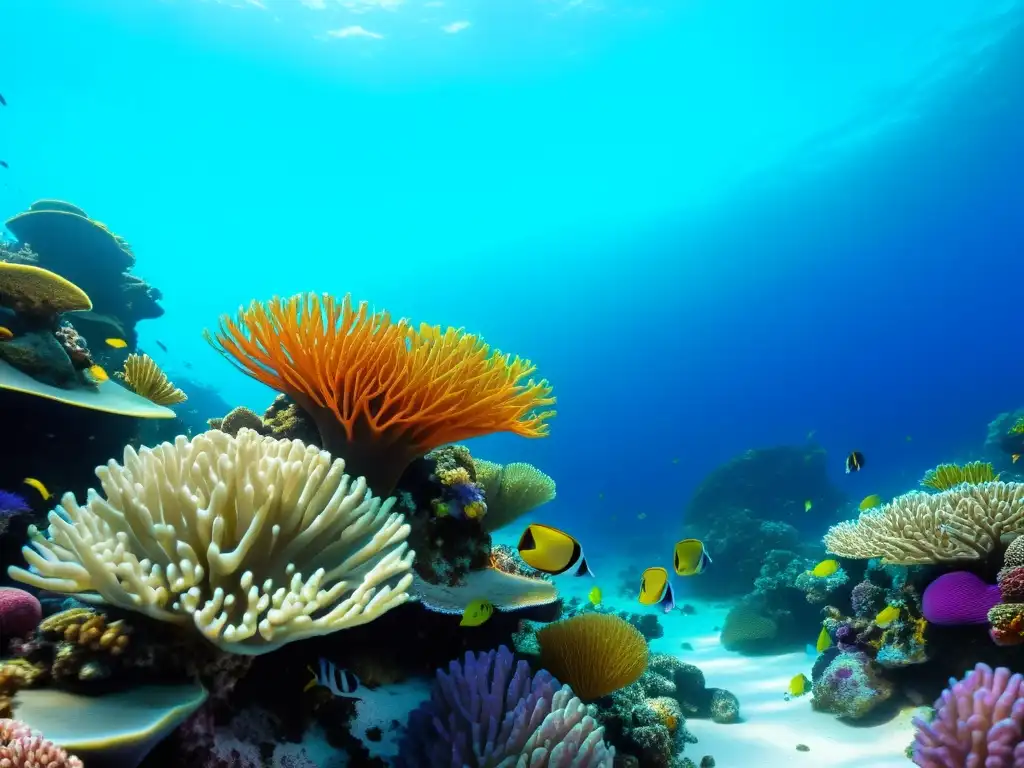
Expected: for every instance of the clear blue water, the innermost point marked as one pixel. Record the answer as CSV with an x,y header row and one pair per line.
x,y
713,225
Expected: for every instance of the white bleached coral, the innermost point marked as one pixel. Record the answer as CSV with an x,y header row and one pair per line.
x,y
963,523
259,541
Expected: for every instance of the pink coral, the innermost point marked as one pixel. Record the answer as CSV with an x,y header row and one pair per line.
x,y
979,721
1011,584
21,747
20,612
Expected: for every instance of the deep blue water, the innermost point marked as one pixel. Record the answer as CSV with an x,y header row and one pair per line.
x,y
714,226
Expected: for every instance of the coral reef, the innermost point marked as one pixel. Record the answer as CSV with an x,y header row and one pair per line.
x,y
946,476
310,552
978,721
21,747
595,653
403,392
963,523
511,491
11,505
646,624
748,629
488,711
851,686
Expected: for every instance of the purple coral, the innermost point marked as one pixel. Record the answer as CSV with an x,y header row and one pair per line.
x,y
867,599
12,504
979,721
959,597
485,712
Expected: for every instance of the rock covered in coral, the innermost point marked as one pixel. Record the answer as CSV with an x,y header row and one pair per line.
x,y
645,623
851,686
20,612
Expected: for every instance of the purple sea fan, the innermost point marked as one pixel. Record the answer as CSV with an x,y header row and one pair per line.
x,y
979,723
11,505
485,713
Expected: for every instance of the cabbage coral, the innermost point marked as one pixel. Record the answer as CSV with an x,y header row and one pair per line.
x,y
382,392
257,541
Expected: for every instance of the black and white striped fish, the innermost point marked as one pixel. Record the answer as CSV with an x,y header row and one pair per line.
x,y
340,682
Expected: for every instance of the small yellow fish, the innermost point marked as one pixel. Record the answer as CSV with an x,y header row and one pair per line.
x,y
825,568
887,616
824,641
807,505
798,685
689,558
43,491
656,589
97,373
6,333
870,502
476,613
116,343
552,551
1014,458
595,596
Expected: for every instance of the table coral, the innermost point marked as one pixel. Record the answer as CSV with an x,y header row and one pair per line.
x,y
382,392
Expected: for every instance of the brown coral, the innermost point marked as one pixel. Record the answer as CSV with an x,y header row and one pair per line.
x,y
34,290
595,653
382,392
239,418
16,674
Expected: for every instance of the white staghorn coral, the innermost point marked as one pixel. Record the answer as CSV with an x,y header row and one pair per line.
x,y
259,541
963,523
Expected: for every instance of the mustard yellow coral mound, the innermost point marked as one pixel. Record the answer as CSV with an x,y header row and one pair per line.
x,y
511,491
144,377
946,476
594,653
25,288
963,523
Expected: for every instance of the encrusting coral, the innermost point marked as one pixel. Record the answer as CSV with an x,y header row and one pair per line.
x,y
595,653
144,377
963,523
382,392
257,541
946,476
511,491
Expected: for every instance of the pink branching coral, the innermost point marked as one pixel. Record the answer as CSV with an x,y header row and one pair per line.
x,y
979,721
21,747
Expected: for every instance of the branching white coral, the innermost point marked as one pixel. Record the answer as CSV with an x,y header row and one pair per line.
x,y
963,523
259,541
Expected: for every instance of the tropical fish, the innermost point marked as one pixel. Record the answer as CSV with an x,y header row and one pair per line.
x,y
798,685
824,641
161,345
825,568
642,516
5,333
551,551
887,616
476,613
340,682
97,373
807,505
116,343
854,462
38,485
595,596
3,101
870,502
690,558
656,589
3,163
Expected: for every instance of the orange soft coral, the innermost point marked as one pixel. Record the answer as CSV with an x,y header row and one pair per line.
x,y
382,393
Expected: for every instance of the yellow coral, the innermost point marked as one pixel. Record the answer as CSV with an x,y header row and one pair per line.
x,y
668,711
1017,428
144,377
946,476
511,491
594,653
454,476
25,288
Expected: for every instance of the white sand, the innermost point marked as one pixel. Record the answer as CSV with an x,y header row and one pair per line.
x,y
772,726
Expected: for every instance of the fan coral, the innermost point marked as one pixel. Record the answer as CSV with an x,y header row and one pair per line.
x,y
21,747
487,713
850,687
512,491
963,523
382,393
595,653
20,612
946,476
257,541
144,377
979,721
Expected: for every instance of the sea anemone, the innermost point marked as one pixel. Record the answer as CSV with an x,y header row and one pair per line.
x,y
382,392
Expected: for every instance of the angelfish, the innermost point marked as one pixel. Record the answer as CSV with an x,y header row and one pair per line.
x,y
340,682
